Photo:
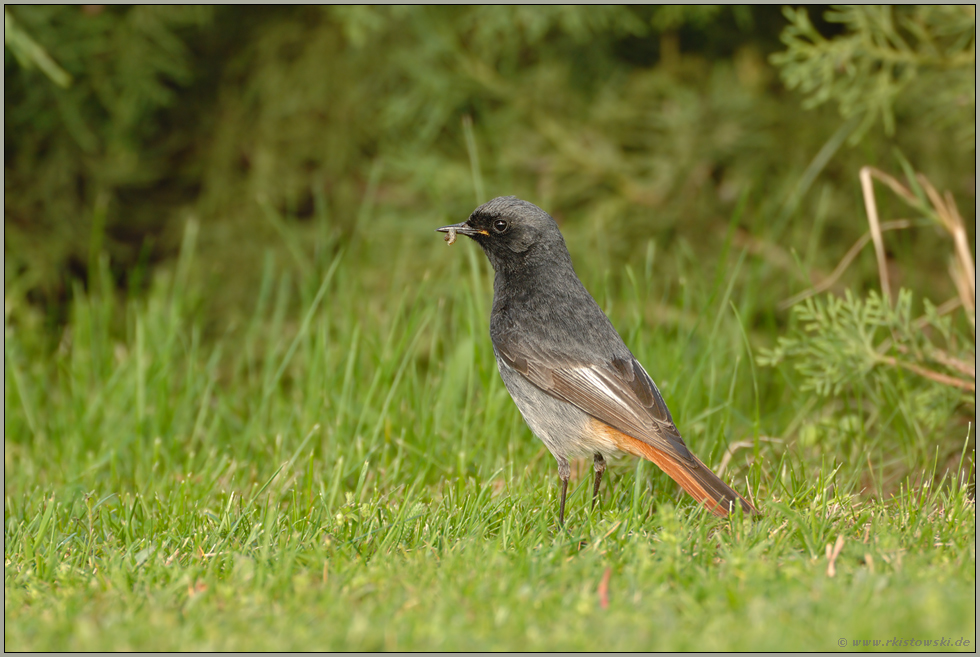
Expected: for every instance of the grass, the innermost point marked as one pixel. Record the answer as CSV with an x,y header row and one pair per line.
x,y
345,471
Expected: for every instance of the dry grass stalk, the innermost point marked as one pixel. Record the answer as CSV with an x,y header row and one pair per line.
x,y
832,554
872,209
942,209
842,266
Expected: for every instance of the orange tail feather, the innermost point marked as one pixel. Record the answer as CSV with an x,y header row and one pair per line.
x,y
700,483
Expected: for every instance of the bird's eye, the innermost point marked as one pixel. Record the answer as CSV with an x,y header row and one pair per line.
x,y
499,225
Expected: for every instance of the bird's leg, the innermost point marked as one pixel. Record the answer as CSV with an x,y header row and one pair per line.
x,y
599,465
564,472
561,509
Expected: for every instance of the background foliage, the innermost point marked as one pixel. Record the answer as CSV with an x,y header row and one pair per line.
x,y
631,120
235,351
279,129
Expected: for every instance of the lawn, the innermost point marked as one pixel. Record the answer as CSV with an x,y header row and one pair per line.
x,y
344,470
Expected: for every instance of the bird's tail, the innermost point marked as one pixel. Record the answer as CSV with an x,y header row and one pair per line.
x,y
700,483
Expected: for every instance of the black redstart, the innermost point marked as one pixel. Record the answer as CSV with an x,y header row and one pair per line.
x,y
574,380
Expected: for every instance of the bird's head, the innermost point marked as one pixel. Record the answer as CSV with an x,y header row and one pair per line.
x,y
514,234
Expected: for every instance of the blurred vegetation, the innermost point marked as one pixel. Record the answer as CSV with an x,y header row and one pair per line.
x,y
289,134
923,52
247,386
634,121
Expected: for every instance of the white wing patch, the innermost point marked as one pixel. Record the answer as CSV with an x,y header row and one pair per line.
x,y
590,375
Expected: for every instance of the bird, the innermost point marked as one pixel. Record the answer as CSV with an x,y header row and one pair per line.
x,y
576,383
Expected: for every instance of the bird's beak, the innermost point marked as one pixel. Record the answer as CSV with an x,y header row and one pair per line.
x,y
462,229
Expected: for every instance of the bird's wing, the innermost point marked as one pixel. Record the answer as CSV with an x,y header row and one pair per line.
x,y
618,392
